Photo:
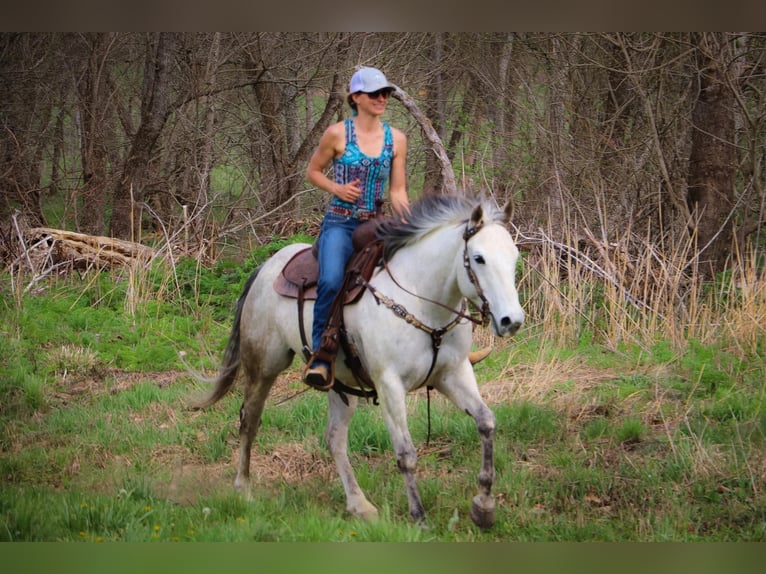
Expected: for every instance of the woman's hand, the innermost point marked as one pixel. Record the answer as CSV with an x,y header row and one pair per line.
x,y
348,192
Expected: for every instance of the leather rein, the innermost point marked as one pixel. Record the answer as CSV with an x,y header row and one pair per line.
x,y
437,335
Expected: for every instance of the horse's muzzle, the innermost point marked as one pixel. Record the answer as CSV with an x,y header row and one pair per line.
x,y
507,325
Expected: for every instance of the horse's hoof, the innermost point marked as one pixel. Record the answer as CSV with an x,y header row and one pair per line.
x,y
424,525
370,517
366,512
483,511
242,486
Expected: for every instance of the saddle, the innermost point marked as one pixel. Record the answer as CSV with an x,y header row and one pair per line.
x,y
298,280
299,276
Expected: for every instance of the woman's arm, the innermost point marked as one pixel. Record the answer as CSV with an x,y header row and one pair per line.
x,y
331,145
399,201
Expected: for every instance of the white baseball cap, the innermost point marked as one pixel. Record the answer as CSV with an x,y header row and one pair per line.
x,y
368,80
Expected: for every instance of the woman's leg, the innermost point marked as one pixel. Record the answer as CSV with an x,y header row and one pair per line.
x,y
335,249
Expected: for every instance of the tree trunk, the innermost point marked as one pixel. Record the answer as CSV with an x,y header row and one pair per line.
x,y
446,174
24,115
433,182
276,180
58,144
93,96
129,192
286,154
552,138
712,163
204,155
503,113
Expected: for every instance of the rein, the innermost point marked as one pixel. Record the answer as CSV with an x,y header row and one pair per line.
x,y
400,311
437,335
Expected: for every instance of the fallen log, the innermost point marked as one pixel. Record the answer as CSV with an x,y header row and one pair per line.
x,y
91,250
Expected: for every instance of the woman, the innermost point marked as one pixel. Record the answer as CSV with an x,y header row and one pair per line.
x,y
365,153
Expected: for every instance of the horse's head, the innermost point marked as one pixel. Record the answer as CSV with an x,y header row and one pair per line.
x,y
489,254
490,258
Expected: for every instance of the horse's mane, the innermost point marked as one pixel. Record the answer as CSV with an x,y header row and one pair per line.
x,y
429,213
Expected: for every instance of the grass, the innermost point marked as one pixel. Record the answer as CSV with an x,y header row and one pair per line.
x,y
611,426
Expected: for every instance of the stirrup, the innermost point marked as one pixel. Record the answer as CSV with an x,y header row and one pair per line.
x,y
319,377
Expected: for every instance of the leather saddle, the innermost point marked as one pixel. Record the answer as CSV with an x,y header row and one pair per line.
x,y
298,279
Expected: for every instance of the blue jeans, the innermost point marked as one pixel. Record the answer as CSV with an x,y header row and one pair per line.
x,y
335,249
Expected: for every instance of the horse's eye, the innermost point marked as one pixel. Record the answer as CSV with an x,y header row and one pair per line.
x,y
479,259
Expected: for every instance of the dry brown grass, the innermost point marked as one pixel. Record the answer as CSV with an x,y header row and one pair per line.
x,y
627,291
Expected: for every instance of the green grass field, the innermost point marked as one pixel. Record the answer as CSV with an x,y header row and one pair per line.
x,y
611,425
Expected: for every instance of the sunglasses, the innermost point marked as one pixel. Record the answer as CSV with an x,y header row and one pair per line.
x,y
385,92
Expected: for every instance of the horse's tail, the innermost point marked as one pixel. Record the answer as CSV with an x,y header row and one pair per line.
x,y
227,372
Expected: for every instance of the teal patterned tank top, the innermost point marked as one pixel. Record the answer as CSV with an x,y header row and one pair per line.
x,y
372,172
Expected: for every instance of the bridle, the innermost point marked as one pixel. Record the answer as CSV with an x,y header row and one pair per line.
x,y
437,334
467,234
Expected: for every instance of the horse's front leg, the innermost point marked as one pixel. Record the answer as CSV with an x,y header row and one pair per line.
x,y
395,415
461,388
336,436
483,507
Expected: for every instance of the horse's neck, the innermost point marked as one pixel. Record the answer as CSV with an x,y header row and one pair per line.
x,y
429,267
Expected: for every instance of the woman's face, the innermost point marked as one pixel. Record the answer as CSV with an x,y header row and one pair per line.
x,y
374,103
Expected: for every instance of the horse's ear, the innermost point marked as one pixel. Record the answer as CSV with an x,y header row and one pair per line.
x,y
508,211
477,217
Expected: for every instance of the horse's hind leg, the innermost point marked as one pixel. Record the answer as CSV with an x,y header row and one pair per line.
x,y
257,390
336,436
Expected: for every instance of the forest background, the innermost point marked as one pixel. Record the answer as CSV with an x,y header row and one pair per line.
x,y
207,135
143,176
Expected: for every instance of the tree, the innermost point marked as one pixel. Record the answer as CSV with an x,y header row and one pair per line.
x,y
155,105
747,84
95,110
272,62
26,64
658,132
713,161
